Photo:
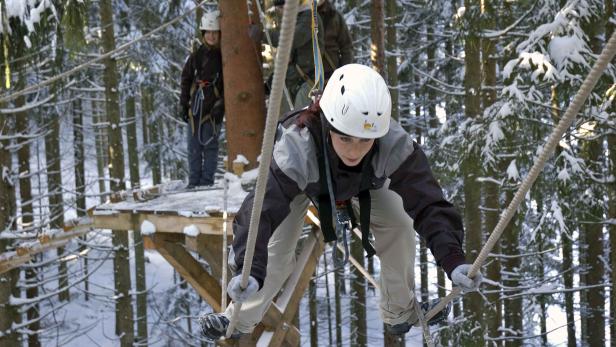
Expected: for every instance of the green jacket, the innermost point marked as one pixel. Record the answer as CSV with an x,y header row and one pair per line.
x,y
338,49
301,57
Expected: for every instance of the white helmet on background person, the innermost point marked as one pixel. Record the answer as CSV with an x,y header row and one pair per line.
x,y
210,21
356,102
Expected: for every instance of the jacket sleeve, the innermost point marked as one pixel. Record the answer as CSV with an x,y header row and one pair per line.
x,y
435,219
188,73
279,193
344,42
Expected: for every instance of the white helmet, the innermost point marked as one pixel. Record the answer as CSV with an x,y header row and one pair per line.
x,y
210,22
356,102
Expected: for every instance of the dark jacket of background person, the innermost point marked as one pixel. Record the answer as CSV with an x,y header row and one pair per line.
x,y
338,48
204,67
301,61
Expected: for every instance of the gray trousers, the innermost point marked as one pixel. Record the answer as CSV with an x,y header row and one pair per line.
x,y
394,244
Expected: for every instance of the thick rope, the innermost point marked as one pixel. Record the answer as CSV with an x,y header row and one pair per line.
x,y
280,71
95,60
574,108
319,77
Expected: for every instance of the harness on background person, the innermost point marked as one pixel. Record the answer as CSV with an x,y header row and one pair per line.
x,y
205,100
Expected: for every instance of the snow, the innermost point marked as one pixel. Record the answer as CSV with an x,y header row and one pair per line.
x,y
240,159
564,49
147,228
460,12
563,175
495,133
187,203
27,11
512,171
6,175
191,230
185,213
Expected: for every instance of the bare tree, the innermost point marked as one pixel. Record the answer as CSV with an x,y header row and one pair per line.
x,y
124,308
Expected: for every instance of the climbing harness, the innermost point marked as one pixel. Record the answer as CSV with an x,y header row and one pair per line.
x,y
343,230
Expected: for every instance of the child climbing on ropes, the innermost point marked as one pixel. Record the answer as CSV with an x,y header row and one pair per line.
x,y
202,103
344,148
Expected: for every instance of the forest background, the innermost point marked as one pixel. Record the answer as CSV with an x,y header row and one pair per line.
x,y
480,84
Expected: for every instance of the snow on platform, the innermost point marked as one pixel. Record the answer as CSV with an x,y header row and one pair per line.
x,y
171,198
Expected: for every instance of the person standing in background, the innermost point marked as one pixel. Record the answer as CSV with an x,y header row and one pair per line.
x,y
202,103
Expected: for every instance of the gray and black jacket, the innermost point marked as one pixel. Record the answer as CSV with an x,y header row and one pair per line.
x,y
294,171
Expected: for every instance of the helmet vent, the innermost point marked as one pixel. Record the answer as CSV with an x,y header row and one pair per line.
x,y
345,108
342,90
341,76
365,113
379,113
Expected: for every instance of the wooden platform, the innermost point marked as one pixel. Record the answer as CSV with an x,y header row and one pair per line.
x,y
176,216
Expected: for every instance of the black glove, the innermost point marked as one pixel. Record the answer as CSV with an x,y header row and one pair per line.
x,y
183,113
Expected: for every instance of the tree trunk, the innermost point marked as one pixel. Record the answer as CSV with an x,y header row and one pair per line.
x,y
101,153
592,151
8,281
565,238
612,232
358,304
27,212
133,163
593,236
244,94
124,308
611,144
80,180
140,284
313,311
338,282
391,11
131,141
55,188
153,152
377,34
511,270
473,306
493,313
423,268
431,56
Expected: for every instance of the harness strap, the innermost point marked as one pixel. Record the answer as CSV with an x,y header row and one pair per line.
x,y
365,206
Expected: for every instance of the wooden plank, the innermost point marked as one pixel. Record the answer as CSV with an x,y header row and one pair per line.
x,y
210,248
285,334
171,248
295,286
163,223
288,301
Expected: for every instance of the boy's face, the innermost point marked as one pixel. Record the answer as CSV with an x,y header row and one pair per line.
x,y
351,150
